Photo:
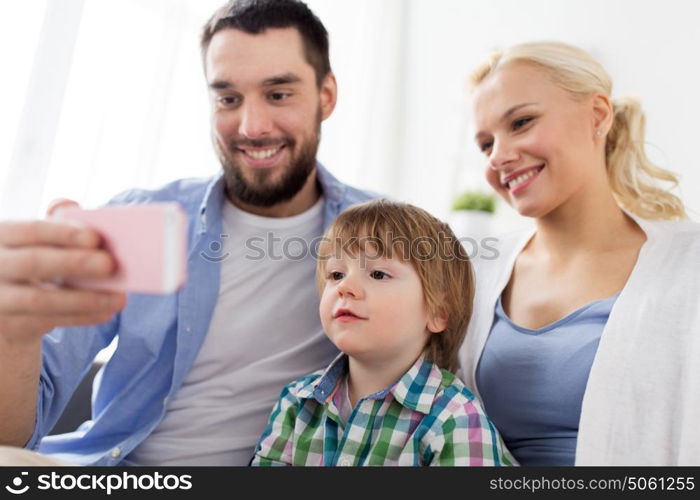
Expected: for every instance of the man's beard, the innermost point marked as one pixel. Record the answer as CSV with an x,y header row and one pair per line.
x,y
262,193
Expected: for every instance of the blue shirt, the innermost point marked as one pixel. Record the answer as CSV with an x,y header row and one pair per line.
x,y
532,381
158,336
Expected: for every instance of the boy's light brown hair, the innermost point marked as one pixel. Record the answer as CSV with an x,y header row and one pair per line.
x,y
384,228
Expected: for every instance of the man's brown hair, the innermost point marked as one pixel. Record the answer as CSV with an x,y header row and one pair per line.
x,y
256,16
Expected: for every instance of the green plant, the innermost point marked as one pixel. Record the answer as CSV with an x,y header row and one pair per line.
x,y
475,200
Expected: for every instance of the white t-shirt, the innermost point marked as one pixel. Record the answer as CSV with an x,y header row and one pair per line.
x,y
264,333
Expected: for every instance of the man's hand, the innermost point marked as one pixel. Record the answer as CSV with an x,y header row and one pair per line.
x,y
35,258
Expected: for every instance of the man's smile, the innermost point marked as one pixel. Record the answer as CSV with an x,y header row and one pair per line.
x,y
262,157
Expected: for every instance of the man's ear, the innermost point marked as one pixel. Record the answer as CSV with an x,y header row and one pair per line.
x,y
603,114
329,95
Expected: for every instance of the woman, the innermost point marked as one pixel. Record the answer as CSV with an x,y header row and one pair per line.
x,y
585,340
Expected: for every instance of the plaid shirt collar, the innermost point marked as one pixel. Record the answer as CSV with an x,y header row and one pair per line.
x,y
415,390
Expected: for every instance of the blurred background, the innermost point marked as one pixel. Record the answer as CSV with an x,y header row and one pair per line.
x,y
99,96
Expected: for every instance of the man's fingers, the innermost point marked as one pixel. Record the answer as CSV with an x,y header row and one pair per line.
x,y
47,232
49,264
60,203
24,299
23,326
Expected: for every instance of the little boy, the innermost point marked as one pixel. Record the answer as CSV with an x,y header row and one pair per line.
x,y
396,295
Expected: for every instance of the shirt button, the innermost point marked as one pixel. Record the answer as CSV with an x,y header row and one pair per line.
x,y
345,462
116,452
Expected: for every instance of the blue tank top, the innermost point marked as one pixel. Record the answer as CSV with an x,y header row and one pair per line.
x,y
532,381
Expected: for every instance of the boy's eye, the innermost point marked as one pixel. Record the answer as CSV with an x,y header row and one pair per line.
x,y
378,275
335,275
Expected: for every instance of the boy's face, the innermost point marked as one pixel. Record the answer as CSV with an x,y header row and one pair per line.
x,y
373,309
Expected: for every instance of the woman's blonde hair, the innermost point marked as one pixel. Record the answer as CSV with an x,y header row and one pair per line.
x,y
633,177
392,229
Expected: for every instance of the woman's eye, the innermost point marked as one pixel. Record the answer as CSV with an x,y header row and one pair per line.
x,y
335,275
484,147
378,275
521,122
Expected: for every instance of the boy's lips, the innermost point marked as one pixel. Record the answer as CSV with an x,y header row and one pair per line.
x,y
344,314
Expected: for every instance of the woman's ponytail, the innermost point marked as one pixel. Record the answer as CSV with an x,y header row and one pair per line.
x,y
632,175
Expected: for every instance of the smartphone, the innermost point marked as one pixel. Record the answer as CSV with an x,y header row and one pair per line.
x,y
148,243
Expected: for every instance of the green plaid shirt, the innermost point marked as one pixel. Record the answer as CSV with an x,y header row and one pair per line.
x,y
427,418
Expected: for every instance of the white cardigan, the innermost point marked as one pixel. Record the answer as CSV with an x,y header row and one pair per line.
x,y
642,401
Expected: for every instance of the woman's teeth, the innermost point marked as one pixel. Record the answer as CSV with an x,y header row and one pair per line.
x,y
522,178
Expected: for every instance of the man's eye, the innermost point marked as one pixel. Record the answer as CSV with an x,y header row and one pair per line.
x,y
521,122
228,100
279,96
378,275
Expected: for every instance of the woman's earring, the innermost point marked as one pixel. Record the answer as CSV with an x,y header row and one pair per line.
x,y
598,132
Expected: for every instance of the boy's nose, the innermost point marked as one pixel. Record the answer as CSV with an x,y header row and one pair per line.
x,y
350,288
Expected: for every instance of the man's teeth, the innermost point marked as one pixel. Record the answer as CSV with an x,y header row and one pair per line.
x,y
262,155
522,178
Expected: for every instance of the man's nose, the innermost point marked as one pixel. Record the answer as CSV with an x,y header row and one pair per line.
x,y
256,121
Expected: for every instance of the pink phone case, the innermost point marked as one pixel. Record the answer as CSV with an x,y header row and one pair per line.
x,y
147,241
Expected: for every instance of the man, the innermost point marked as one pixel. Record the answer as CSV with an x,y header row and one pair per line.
x,y
195,374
